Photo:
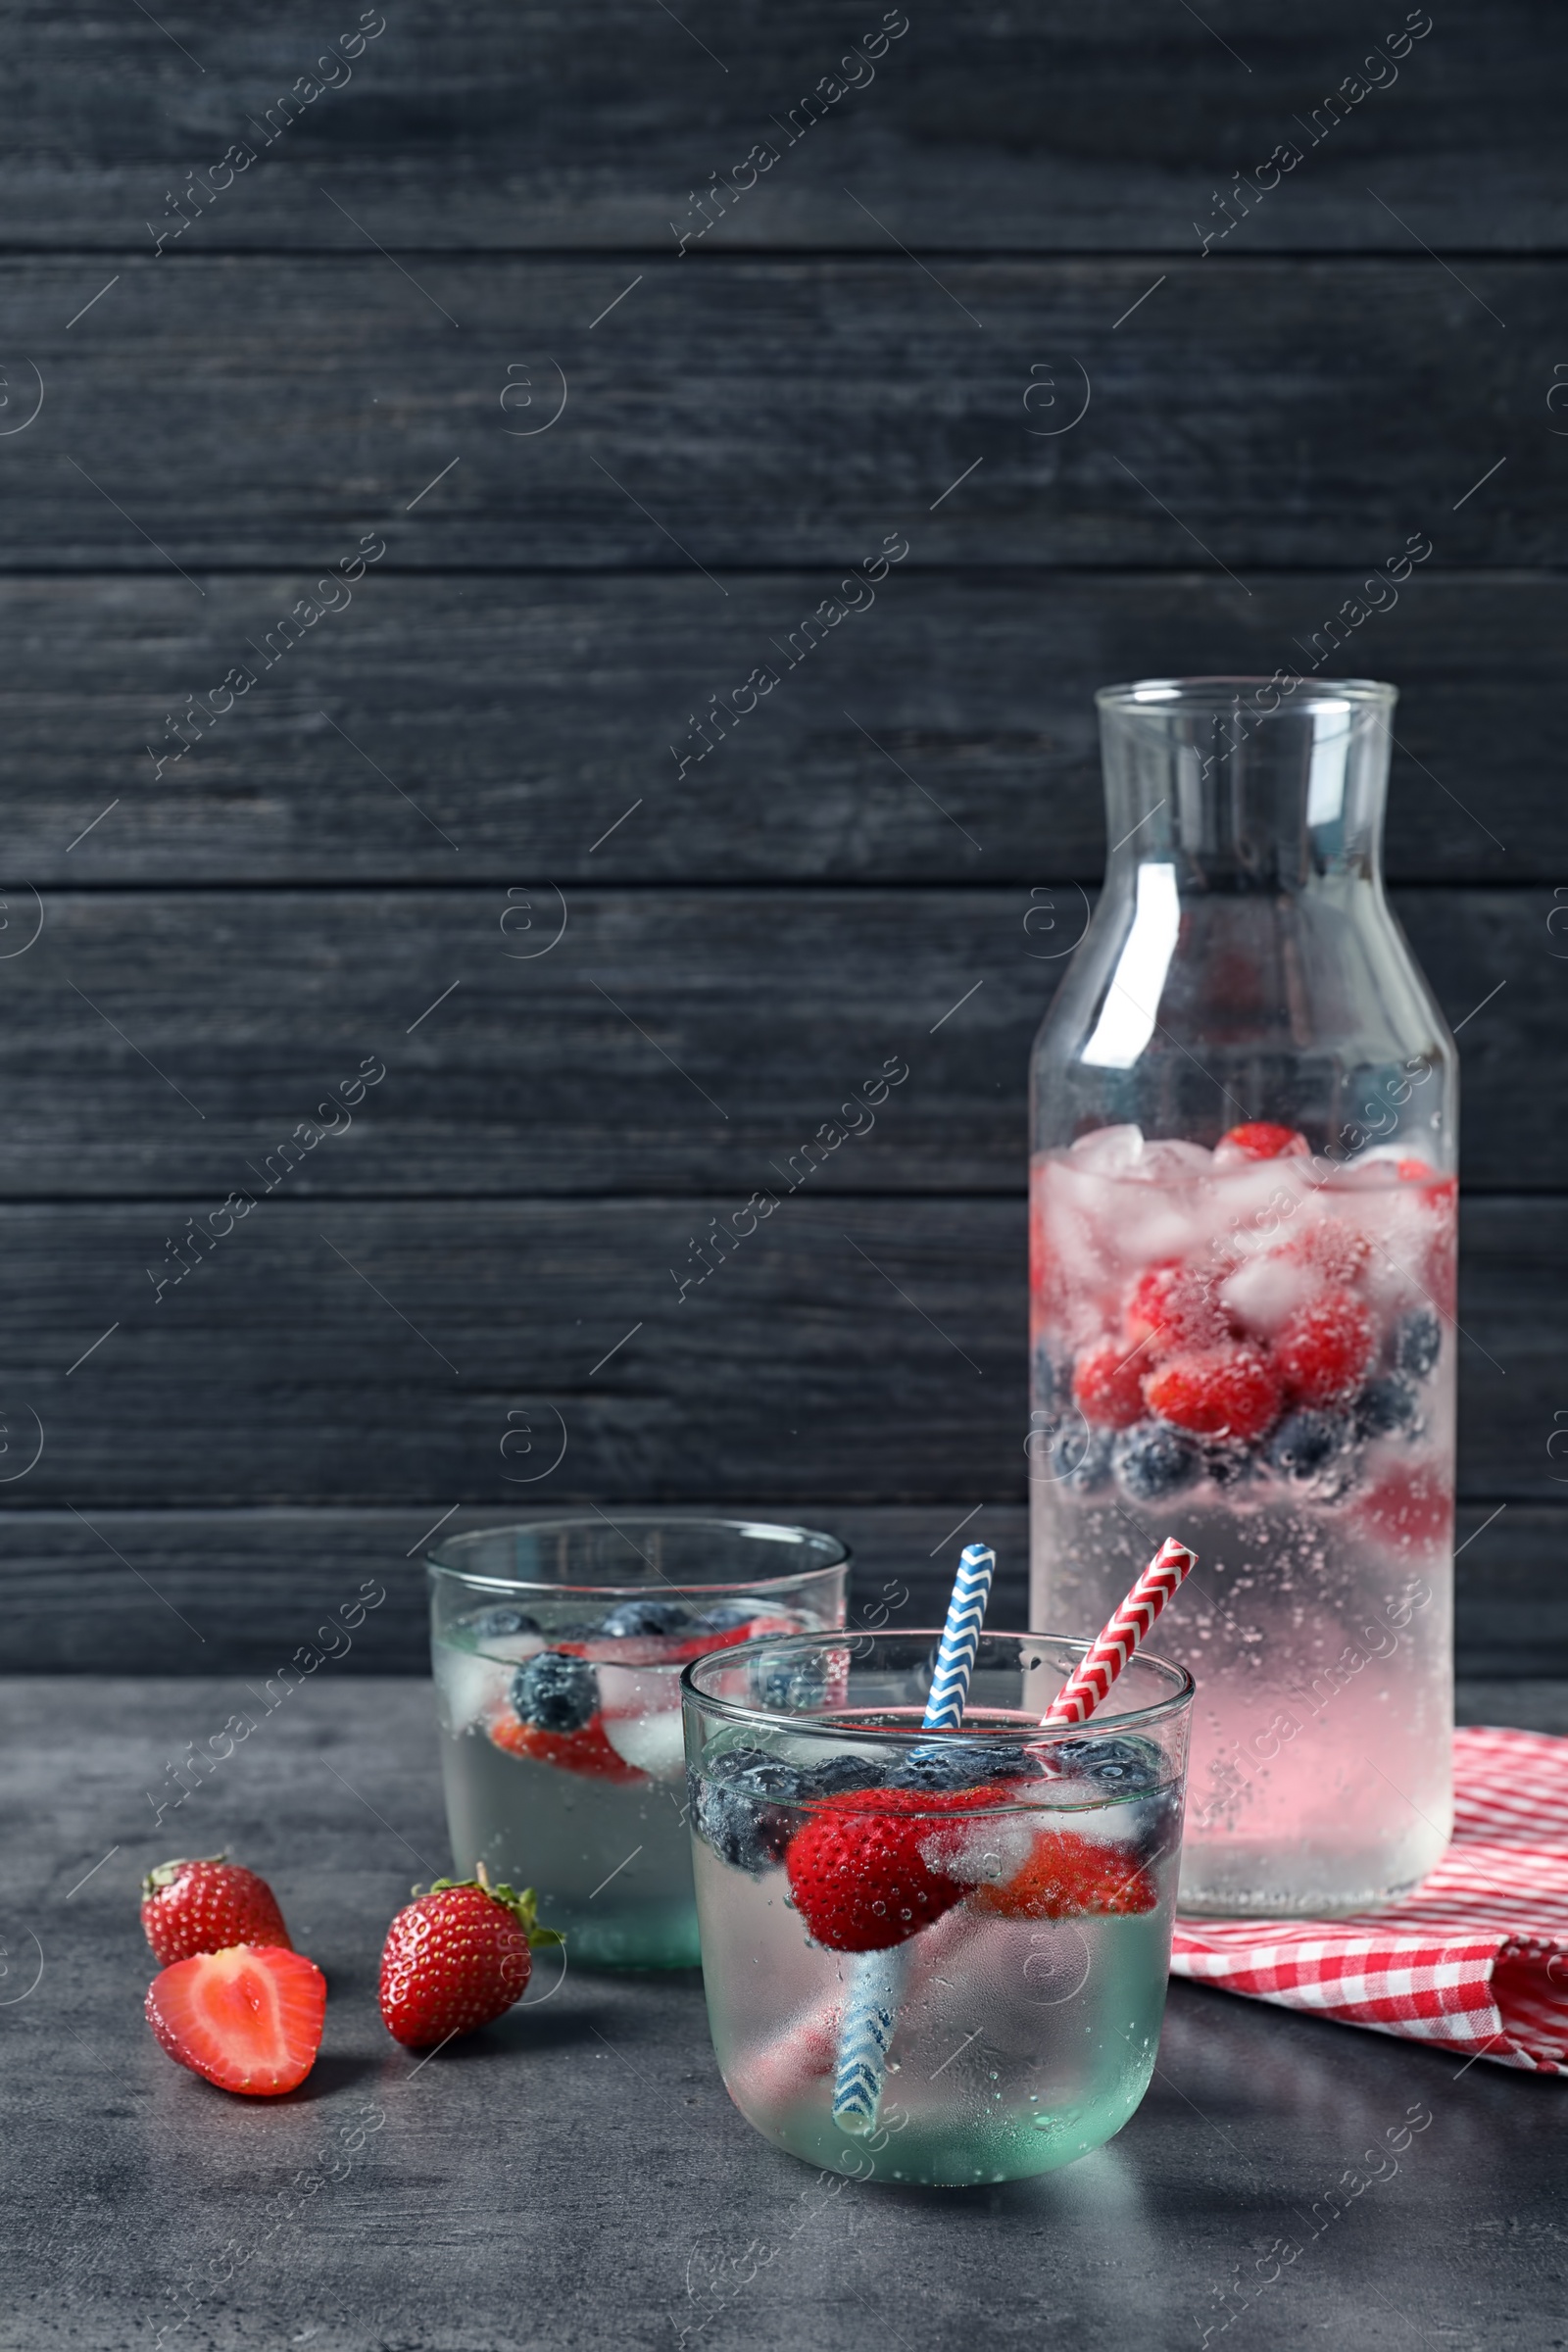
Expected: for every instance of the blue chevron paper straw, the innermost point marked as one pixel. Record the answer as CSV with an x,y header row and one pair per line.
x,y
961,1639
877,1979
869,2014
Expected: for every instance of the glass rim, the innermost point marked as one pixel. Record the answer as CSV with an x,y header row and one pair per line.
x,y
1024,1735
771,1530
1223,691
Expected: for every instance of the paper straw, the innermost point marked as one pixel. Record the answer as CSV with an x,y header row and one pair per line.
x,y
961,1639
1083,1691
876,1980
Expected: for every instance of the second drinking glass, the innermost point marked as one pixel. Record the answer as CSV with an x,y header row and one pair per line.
x,y
557,1650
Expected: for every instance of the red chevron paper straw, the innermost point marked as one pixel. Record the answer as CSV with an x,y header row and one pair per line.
x,y
1081,1694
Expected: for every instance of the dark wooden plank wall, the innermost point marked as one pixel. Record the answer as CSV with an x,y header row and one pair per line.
x,y
450,823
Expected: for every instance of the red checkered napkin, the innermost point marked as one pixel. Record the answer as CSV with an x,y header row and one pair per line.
x,y
1476,1959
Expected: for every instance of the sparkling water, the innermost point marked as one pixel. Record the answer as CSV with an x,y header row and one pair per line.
x,y
595,1820
1318,1621
1019,2044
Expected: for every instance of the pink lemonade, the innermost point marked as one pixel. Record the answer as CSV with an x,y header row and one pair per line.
x,y
1253,1348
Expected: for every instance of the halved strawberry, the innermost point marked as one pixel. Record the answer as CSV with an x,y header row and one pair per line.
x,y
586,1751
248,2019
1068,1876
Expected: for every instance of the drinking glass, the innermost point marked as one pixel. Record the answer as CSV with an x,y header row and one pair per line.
x,y
557,1650
1003,1894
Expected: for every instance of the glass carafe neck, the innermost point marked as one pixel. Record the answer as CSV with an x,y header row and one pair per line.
x,y
1241,786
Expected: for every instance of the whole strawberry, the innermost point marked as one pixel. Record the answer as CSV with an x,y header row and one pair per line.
x,y
857,1873
193,1907
456,1959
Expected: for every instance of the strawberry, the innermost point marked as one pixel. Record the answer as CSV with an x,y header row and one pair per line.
x,y
191,1907
857,1874
676,1648
1409,1513
587,1750
1215,1393
726,1637
1322,1352
1259,1138
1332,1251
248,2019
1068,1876
1107,1385
456,1959
1173,1308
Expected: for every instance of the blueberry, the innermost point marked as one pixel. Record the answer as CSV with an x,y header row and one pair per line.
x,y
554,1693
1158,1820
646,1617
1132,1765
1047,1386
493,1625
740,1804
840,1774
1388,1408
1306,1442
962,1764
1417,1342
1152,1461
1092,1471
788,1685
1228,1466
1125,1767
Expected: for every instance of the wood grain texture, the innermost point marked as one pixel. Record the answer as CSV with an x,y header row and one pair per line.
x,y
238,1591
365,1352
620,1042
479,124
254,410
483,215
524,717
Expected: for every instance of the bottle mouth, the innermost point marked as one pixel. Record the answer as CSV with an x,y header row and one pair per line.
x,y
1203,695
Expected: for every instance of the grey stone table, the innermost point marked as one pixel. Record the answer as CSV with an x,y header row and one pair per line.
x,y
576,2177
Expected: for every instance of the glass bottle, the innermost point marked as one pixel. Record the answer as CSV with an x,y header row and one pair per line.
x,y
1242,1196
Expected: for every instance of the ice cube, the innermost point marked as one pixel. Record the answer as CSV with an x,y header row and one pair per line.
x,y
469,1689
653,1742
1374,1171
1148,1227
640,1708
638,1691
985,1851
1266,1291
1168,1162
1110,1151
515,1646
